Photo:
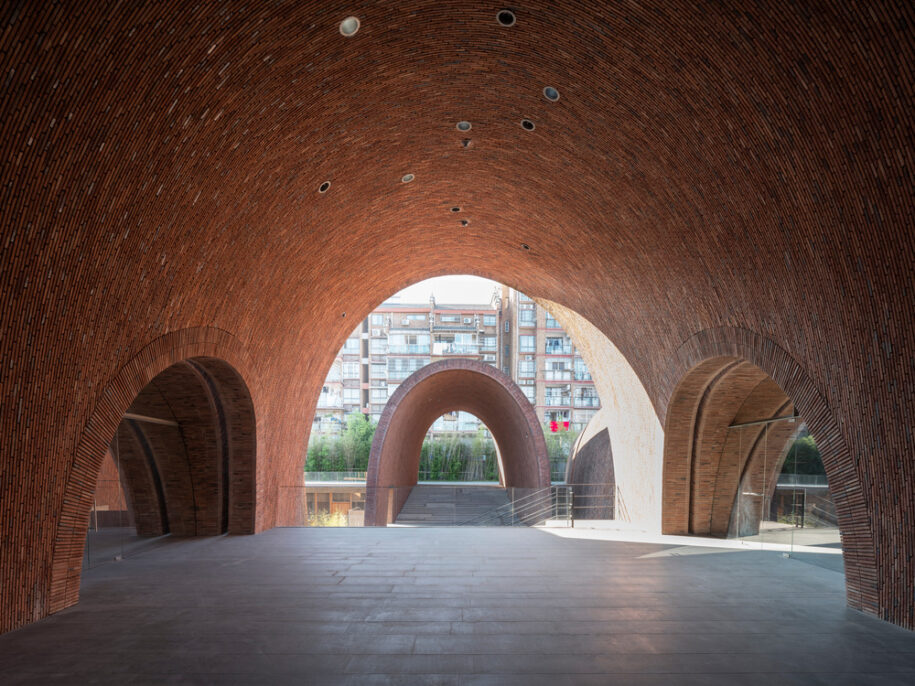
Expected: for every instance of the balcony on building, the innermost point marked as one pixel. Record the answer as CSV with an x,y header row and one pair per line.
x,y
415,349
557,348
557,374
549,322
455,349
454,327
330,401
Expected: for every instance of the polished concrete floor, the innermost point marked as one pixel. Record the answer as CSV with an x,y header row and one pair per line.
x,y
455,606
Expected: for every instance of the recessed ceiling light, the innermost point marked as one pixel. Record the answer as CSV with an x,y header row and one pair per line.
x,y
349,26
525,246
407,178
551,94
455,209
506,18
323,187
464,126
464,222
466,142
527,125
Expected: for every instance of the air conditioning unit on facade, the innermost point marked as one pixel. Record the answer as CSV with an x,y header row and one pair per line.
x,y
376,332
468,320
528,357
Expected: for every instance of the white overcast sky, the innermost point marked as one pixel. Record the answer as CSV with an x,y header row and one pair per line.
x,y
448,289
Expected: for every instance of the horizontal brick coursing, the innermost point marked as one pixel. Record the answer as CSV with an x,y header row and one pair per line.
x,y
705,167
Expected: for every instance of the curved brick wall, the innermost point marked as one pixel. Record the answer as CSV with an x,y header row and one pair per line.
x,y
706,166
423,397
704,460
590,473
630,417
177,377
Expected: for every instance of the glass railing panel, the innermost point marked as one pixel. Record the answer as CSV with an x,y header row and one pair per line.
x,y
111,532
783,501
450,504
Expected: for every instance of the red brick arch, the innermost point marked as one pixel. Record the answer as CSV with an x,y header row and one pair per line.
x,y
428,393
717,167
180,376
730,375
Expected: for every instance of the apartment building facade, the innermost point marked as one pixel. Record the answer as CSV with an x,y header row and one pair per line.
x,y
511,332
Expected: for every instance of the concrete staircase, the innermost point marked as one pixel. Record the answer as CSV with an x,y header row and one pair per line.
x,y
449,505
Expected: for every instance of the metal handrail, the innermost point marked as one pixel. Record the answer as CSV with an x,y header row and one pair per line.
x,y
531,507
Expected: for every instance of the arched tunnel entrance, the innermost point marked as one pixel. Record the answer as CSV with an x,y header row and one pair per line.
x,y
185,448
441,387
181,462
730,427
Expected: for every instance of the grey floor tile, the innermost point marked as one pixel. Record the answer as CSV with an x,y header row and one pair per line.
x,y
455,606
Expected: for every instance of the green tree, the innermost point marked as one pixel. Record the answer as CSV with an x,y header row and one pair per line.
x,y
559,447
344,453
356,442
803,457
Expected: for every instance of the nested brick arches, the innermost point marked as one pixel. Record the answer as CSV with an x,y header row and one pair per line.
x,y
732,376
181,416
441,387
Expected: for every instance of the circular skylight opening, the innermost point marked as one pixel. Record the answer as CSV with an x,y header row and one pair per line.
x,y
464,126
506,18
551,94
349,26
323,187
527,125
407,178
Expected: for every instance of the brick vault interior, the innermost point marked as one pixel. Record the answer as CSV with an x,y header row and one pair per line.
x,y
244,183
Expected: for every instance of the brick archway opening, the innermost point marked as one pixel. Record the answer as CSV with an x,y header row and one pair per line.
x,y
706,461
185,447
731,359
182,419
447,386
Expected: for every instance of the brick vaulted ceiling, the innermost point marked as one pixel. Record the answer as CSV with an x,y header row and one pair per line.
x,y
707,165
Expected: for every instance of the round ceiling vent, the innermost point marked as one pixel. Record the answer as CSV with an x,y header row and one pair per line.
x,y
505,18
349,26
407,178
464,126
527,125
551,94
323,187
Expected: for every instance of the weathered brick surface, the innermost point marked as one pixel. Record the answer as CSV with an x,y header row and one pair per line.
x,y
423,397
111,500
705,167
590,472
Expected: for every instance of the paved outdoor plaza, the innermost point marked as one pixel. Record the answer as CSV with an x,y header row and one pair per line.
x,y
455,606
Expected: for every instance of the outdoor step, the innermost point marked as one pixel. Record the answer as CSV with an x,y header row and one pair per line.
x,y
446,505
